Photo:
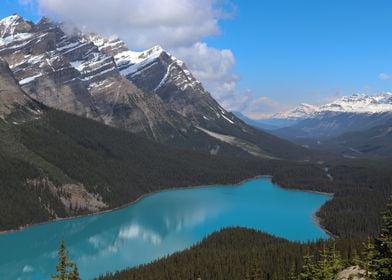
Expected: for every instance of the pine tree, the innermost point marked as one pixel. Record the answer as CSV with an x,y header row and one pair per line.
x,y
324,269
367,262
327,268
383,247
335,260
355,259
309,269
64,266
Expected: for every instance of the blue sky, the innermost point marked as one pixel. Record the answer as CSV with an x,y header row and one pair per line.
x,y
310,50
292,51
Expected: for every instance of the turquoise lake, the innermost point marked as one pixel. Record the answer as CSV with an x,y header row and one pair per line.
x,y
157,225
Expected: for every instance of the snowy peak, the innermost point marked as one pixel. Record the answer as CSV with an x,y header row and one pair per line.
x,y
12,25
110,46
141,66
130,62
301,112
357,103
361,103
157,71
154,51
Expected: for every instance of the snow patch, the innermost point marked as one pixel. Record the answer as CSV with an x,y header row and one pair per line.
x,y
237,142
226,118
29,79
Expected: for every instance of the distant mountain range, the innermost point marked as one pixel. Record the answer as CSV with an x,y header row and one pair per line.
x,y
357,103
150,93
355,125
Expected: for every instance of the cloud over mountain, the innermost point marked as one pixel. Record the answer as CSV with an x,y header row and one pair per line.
x,y
170,23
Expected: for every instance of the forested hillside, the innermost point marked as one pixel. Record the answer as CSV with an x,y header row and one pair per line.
x,y
40,157
116,167
235,253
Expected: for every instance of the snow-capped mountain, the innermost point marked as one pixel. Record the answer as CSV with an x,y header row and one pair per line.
x,y
301,112
357,103
350,113
149,92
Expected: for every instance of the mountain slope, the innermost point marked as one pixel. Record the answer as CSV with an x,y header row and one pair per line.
x,y
150,93
15,105
161,74
55,164
332,124
66,72
375,141
62,165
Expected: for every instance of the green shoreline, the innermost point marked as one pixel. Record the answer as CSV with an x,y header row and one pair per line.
x,y
315,218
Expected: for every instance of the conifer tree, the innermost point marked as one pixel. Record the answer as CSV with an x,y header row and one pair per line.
x,y
327,268
64,266
383,247
335,260
324,269
355,259
367,262
309,269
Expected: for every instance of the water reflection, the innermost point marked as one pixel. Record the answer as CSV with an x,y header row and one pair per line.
x,y
158,225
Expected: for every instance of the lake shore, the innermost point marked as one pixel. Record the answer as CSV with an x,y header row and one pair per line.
x,y
316,219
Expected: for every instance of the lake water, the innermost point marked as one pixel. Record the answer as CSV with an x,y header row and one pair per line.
x,y
158,225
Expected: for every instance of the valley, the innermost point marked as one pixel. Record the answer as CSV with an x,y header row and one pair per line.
x,y
109,149
352,126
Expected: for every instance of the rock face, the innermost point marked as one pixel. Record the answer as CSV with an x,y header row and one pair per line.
x,y
150,93
15,105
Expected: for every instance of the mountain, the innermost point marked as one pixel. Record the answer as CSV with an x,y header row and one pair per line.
x,y
316,123
15,105
150,93
56,164
339,116
301,112
332,124
357,104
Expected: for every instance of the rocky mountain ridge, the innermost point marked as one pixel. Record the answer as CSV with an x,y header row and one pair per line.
x,y
150,93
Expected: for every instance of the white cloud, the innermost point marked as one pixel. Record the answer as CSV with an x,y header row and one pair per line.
x,y
255,107
384,76
142,24
212,66
215,68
